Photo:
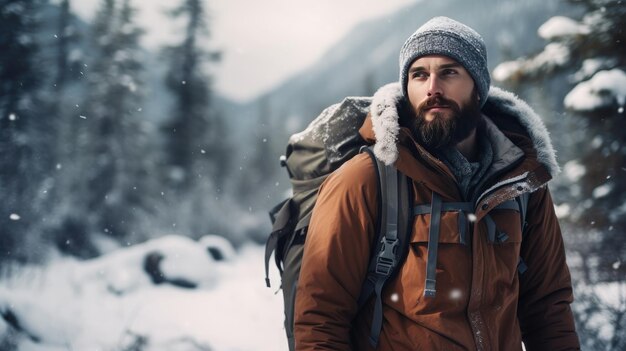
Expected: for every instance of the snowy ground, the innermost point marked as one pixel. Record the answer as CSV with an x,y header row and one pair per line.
x,y
111,304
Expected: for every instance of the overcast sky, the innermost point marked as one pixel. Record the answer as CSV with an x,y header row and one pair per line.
x,y
263,41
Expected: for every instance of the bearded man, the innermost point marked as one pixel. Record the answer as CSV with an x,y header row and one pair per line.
x,y
474,284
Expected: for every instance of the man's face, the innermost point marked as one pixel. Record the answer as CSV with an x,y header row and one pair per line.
x,y
443,100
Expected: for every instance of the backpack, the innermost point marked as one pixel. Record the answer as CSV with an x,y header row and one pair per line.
x,y
311,156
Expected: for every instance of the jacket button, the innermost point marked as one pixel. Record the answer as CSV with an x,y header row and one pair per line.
x,y
485,207
520,188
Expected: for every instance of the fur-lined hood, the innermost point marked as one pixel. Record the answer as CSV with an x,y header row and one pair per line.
x,y
384,114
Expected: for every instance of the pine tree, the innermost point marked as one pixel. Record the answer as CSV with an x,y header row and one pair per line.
x,y
66,36
196,138
19,83
590,52
114,150
63,172
193,121
131,192
593,49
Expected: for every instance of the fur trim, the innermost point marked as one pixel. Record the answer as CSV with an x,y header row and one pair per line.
x,y
510,104
384,112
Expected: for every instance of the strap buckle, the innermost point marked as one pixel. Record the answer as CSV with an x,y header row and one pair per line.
x,y
387,259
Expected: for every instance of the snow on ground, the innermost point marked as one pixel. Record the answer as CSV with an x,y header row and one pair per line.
x,y
111,304
70,305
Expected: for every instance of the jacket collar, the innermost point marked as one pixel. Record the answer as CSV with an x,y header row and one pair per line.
x,y
505,105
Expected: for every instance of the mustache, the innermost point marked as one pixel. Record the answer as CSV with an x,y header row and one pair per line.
x,y
437,101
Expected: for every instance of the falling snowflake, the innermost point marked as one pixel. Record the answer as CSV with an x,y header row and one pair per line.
x,y
455,294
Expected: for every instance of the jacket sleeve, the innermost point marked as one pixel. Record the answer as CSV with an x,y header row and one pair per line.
x,y
544,312
336,256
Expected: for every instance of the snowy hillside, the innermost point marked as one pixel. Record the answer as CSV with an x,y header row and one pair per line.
x,y
111,303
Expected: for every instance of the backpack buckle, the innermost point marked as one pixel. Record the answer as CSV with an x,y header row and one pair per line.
x,y
386,259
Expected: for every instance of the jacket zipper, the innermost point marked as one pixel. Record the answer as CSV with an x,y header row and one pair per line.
x,y
480,194
499,186
475,319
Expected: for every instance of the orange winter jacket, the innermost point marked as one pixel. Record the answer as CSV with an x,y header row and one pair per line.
x,y
482,302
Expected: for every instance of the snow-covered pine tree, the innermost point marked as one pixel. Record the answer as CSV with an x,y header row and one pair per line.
x,y
591,51
20,79
197,146
60,109
65,35
192,118
594,49
114,155
137,186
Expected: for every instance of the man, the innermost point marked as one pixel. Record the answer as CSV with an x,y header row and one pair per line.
x,y
458,141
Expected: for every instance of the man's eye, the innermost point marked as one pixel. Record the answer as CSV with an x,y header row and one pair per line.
x,y
419,75
449,72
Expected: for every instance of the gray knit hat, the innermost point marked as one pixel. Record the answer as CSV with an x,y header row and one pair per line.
x,y
445,36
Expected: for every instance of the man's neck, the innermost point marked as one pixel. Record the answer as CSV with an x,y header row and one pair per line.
x,y
468,147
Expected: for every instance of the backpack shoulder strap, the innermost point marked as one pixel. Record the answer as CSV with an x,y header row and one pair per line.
x,y
282,224
390,246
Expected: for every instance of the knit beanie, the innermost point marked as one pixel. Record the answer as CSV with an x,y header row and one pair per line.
x,y
445,36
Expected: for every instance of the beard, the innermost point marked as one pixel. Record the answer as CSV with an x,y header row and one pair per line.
x,y
447,127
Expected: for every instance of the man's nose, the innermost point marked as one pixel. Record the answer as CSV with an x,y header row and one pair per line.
x,y
434,86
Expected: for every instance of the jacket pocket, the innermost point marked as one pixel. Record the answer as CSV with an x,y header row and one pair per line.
x,y
450,231
453,266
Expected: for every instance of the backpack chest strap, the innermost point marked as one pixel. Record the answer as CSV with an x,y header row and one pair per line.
x,y
435,208
463,207
466,208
